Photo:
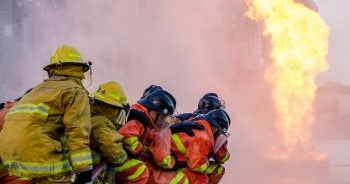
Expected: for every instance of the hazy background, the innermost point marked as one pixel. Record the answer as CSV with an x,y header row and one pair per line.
x,y
188,47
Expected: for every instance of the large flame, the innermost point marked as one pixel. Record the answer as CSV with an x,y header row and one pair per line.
x,y
299,39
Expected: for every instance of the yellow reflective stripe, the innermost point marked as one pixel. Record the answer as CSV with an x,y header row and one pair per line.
x,y
186,181
113,96
132,143
225,159
128,164
81,158
202,168
137,173
176,139
220,170
37,168
211,168
2,166
41,109
74,56
130,140
177,179
166,163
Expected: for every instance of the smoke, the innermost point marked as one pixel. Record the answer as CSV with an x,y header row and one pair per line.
x,y
188,47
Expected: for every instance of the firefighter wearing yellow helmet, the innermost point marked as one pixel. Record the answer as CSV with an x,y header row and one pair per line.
x,y
53,116
107,108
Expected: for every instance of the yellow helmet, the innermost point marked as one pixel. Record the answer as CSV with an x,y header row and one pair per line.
x,y
111,93
66,54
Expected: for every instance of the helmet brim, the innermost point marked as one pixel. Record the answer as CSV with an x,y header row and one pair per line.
x,y
117,105
85,66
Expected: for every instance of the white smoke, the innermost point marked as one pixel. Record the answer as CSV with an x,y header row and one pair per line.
x,y
188,47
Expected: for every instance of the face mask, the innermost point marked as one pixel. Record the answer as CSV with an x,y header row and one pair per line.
x,y
87,81
165,122
121,119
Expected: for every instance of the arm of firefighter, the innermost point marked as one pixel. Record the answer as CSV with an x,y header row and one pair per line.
x,y
77,124
132,131
222,155
109,142
160,148
196,154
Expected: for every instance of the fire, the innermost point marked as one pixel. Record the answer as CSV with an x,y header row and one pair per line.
x,y
299,39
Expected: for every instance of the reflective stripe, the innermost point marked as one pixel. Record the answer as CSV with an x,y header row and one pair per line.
x,y
74,56
202,168
132,143
81,158
137,173
2,166
36,168
41,109
176,139
211,168
166,163
111,95
128,164
220,170
225,159
186,181
177,179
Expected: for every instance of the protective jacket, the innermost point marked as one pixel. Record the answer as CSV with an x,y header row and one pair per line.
x,y
54,112
106,141
138,136
192,153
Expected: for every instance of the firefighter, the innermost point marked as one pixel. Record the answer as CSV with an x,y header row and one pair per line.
x,y
53,113
106,107
208,102
192,153
146,117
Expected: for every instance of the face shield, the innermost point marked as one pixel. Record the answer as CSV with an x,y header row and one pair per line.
x,y
122,116
220,140
87,81
165,121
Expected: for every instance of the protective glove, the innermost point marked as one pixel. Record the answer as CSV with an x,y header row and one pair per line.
x,y
186,127
2,105
184,116
83,177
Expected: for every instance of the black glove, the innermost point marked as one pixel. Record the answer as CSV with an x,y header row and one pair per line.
x,y
83,177
186,127
184,116
2,105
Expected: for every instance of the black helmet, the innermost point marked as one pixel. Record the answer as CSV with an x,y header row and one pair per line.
x,y
150,89
208,102
219,119
159,100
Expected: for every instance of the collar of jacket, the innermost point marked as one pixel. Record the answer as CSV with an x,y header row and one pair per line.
x,y
63,78
144,110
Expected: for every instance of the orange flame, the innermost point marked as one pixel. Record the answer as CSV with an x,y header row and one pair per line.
x,y
299,39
